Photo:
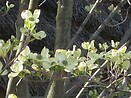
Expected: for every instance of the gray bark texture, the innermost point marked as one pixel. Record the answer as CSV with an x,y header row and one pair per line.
x,y
63,28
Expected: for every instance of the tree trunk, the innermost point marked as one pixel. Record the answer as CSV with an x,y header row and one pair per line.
x,y
63,27
63,23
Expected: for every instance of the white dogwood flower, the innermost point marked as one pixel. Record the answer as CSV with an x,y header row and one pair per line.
x,y
33,18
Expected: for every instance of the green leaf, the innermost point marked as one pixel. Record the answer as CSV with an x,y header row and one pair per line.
x,y
11,5
39,35
12,96
23,30
90,64
126,65
5,47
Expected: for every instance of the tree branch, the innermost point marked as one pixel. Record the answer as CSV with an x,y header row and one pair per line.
x,y
83,24
101,27
87,83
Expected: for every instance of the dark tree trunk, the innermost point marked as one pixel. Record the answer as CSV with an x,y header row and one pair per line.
x,y
63,27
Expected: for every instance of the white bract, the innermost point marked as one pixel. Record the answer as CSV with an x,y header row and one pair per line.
x,y
17,66
71,64
28,16
26,51
60,56
12,96
82,66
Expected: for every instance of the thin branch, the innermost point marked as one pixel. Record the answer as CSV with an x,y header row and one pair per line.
x,y
114,89
126,36
70,91
87,83
109,86
42,3
102,26
123,20
83,24
129,2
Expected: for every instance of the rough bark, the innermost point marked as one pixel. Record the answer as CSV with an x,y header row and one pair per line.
x,y
63,23
63,27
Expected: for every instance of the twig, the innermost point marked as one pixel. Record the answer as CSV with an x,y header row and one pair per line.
x,y
101,27
126,36
42,3
70,91
97,71
129,2
109,86
83,24
123,20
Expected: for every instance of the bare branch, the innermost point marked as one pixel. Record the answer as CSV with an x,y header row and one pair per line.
x,y
123,20
129,2
102,26
83,24
87,83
